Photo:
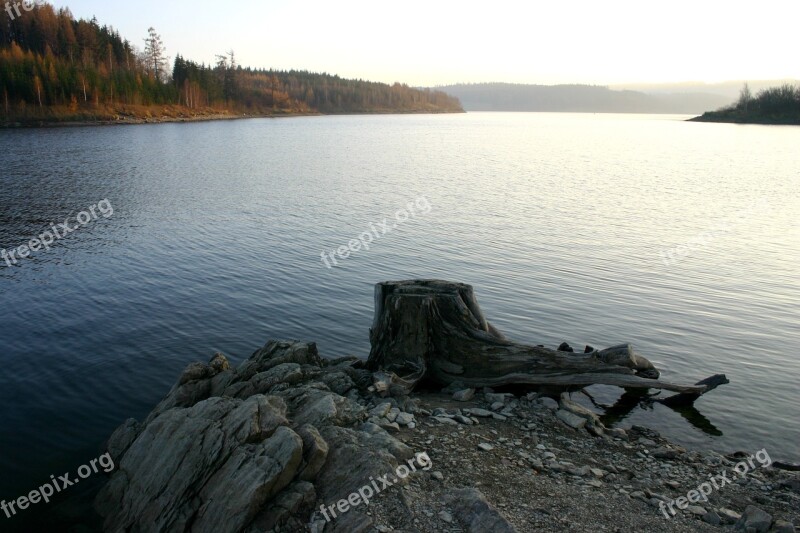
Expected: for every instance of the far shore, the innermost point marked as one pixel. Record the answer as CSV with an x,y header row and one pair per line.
x,y
126,120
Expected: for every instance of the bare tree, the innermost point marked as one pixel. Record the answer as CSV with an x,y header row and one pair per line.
x,y
745,97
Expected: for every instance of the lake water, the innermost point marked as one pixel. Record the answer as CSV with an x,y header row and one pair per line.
x,y
562,222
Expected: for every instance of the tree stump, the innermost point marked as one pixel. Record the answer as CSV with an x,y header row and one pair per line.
x,y
435,330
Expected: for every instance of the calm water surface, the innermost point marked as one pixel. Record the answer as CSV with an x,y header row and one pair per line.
x,y
558,220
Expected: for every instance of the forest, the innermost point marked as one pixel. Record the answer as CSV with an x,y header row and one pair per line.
x,y
774,105
56,68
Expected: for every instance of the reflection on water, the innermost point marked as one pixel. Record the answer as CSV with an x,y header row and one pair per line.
x,y
558,220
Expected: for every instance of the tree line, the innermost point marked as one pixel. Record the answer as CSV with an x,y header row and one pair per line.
x,y
773,105
51,62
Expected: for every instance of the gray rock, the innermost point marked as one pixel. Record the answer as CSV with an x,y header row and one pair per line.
x,y
315,452
354,456
782,526
549,403
475,513
219,446
287,511
754,520
391,416
664,453
392,427
380,410
338,382
404,419
464,395
492,397
712,518
485,446
618,433
446,517
445,420
696,510
275,353
262,382
463,420
122,438
476,411
250,477
309,405
727,516
571,419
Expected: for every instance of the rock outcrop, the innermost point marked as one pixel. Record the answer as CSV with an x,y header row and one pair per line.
x,y
249,449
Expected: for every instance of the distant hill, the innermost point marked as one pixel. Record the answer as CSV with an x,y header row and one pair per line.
x,y
54,68
578,98
728,89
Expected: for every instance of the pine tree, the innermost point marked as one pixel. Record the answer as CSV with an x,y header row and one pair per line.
x,y
155,54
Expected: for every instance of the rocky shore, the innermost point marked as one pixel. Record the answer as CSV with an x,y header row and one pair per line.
x,y
284,442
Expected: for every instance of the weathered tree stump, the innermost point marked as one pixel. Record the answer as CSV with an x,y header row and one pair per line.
x,y
435,330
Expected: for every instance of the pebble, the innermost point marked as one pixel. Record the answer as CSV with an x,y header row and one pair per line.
x,y
485,447
464,395
696,510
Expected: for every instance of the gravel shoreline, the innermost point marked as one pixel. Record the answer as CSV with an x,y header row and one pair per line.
x,y
270,445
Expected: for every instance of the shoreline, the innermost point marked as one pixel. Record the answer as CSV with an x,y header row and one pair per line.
x,y
766,121
41,124
498,461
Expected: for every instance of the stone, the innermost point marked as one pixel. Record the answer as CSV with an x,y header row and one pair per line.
x,y
696,510
464,395
391,416
571,419
782,526
338,382
463,420
122,438
492,397
380,410
475,512
549,403
712,518
315,452
445,420
754,520
664,453
483,413
564,347
246,453
404,419
618,433
288,510
445,516
485,446
392,427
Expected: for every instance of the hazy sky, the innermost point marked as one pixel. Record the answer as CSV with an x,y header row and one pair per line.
x,y
439,42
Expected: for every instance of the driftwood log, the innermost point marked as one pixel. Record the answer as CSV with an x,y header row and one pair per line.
x,y
434,330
